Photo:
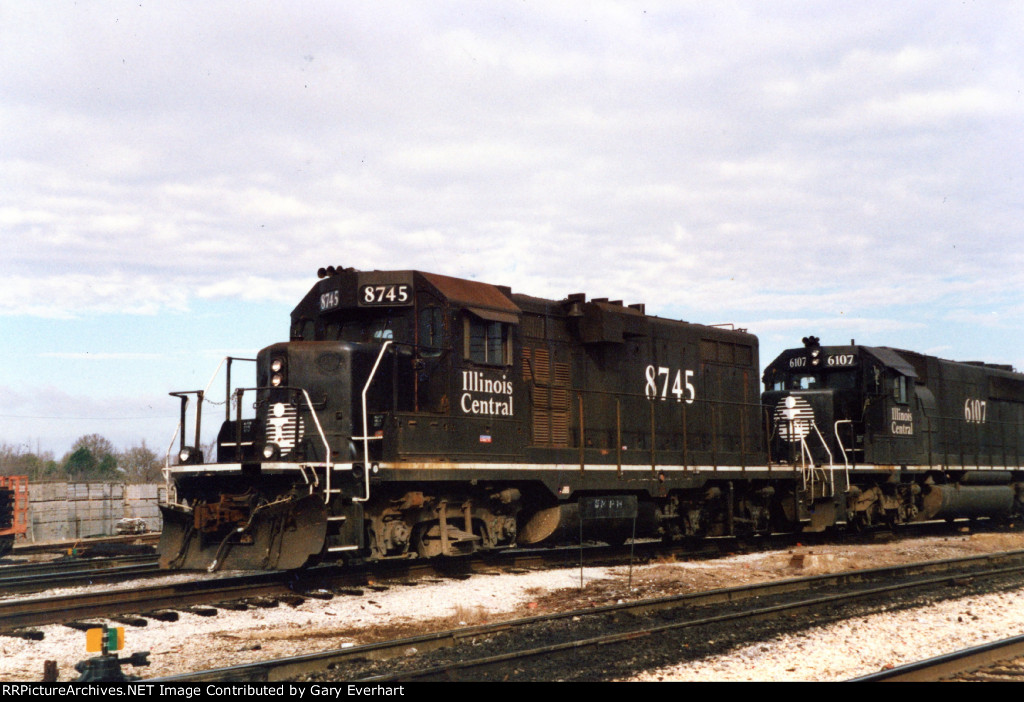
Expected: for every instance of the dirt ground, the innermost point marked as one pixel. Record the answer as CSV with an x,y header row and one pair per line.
x,y
670,576
398,609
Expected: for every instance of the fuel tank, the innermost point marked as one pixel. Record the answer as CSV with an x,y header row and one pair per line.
x,y
957,501
561,524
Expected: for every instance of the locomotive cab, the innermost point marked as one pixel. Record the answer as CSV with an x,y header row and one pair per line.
x,y
376,365
841,406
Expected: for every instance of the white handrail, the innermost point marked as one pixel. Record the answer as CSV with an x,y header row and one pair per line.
x,y
169,484
323,437
831,460
180,427
843,449
806,457
366,429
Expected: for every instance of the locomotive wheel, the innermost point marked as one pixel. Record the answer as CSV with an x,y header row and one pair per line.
x,y
429,542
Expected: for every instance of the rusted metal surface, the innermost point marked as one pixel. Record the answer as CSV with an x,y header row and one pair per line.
x,y
283,535
14,489
470,293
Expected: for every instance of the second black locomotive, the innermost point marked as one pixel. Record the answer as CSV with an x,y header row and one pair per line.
x,y
905,436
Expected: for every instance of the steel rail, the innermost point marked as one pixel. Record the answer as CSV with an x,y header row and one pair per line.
x,y
37,577
947,665
150,537
40,611
291,667
16,614
29,612
452,671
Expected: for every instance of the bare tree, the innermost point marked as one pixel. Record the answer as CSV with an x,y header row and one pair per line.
x,y
140,464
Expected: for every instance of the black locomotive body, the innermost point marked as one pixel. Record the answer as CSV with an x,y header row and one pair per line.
x,y
903,436
414,413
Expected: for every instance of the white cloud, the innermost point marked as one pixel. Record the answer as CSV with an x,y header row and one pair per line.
x,y
854,167
66,296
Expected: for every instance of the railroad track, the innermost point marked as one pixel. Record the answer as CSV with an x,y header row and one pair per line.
x,y
150,538
40,611
34,577
997,661
204,590
163,602
484,653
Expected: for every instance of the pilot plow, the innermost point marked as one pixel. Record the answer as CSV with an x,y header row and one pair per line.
x,y
227,535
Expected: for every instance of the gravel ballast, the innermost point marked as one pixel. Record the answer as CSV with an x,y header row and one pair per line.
x,y
839,651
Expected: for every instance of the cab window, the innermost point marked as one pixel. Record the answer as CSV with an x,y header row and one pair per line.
x,y
487,342
804,381
431,333
899,389
362,329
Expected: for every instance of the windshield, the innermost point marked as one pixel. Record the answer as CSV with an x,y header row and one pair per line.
x,y
374,327
834,380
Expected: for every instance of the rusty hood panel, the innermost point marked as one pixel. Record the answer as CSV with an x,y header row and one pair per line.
x,y
469,293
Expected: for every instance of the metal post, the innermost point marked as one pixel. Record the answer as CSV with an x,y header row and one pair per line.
x,y
653,439
199,417
580,515
238,424
583,444
227,392
184,409
618,436
686,442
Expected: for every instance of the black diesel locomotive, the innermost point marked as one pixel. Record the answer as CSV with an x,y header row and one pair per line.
x,y
900,435
415,414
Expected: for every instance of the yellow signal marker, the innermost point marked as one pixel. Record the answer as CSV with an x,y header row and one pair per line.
x,y
113,637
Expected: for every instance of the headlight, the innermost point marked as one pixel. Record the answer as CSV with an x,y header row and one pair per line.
x,y
190,454
269,451
277,367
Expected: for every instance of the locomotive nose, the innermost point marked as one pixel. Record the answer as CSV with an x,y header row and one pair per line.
x,y
794,417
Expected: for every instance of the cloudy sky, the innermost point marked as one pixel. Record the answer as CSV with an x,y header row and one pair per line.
x,y
173,174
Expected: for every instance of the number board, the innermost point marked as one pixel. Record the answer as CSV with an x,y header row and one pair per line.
x,y
610,507
386,295
330,300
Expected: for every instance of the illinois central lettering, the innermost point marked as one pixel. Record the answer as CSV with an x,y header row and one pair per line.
x,y
486,396
902,422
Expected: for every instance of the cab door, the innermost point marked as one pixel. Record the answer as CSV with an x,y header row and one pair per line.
x,y
432,360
